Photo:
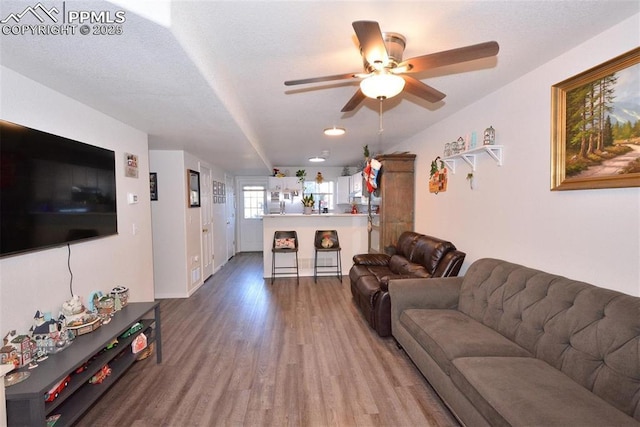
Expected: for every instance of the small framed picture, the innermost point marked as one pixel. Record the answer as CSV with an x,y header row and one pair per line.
x,y
153,185
194,188
131,165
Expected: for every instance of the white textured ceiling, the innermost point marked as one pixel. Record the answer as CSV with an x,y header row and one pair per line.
x,y
207,76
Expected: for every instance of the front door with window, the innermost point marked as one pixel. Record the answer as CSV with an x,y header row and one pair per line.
x,y
252,201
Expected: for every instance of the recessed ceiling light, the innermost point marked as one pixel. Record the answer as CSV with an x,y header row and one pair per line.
x,y
334,131
316,159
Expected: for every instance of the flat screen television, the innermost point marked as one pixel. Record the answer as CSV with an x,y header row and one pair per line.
x,y
53,190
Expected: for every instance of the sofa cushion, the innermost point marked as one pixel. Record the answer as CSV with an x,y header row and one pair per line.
x,y
380,271
357,271
406,243
517,391
401,266
428,251
397,263
449,334
591,334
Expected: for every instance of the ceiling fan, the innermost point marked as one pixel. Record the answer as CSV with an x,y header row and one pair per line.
x,y
386,74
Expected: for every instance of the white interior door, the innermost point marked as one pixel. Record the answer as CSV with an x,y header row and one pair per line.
x,y
206,198
252,199
231,216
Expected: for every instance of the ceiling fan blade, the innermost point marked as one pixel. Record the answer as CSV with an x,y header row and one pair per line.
x,y
355,100
371,42
422,90
322,79
448,57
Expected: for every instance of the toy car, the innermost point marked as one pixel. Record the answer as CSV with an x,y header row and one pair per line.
x,y
135,328
101,375
51,395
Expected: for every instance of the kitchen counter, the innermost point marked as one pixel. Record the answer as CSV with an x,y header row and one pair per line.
x,y
352,233
315,215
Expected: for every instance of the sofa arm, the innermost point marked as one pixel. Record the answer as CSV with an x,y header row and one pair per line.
x,y
439,292
371,259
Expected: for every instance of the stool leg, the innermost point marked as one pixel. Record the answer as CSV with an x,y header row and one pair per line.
x,y
297,273
315,268
273,267
339,266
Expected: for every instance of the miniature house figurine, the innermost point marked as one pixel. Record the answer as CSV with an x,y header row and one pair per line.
x,y
489,136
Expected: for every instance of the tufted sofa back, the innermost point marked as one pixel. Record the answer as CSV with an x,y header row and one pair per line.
x,y
589,333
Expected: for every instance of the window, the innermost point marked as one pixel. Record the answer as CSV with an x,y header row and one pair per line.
x,y
253,201
323,194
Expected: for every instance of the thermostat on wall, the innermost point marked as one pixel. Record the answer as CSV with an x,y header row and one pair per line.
x,y
132,198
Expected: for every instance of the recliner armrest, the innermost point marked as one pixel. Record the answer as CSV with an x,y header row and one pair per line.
x,y
384,281
371,259
450,264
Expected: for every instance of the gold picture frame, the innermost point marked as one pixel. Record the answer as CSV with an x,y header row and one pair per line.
x,y
584,127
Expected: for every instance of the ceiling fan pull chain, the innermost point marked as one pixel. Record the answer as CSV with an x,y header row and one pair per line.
x,y
380,129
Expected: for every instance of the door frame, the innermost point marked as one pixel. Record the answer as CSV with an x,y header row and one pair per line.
x,y
240,183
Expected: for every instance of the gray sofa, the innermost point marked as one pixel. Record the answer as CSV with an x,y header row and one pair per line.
x,y
508,345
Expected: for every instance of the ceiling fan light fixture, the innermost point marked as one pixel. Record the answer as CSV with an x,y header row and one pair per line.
x,y
334,131
316,159
382,85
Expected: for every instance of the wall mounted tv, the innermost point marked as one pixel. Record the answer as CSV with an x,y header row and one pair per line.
x,y
53,190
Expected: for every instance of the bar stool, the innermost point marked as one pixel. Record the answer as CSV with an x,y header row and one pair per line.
x,y
327,241
284,242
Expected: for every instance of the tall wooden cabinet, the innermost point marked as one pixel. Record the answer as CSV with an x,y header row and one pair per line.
x,y
397,190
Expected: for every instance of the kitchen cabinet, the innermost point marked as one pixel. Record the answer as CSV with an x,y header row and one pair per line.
x,y
343,190
356,184
286,184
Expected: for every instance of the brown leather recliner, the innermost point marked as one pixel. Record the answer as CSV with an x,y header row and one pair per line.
x,y
415,255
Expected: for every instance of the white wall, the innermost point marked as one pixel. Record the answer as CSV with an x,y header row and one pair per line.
x,y
169,224
589,235
177,236
40,280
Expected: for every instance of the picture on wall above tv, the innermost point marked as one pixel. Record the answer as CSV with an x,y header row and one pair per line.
x,y
53,190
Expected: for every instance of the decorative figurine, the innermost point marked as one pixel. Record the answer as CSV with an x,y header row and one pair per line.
x,y
73,306
489,136
473,142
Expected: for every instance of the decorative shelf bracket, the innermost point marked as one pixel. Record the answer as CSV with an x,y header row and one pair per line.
x,y
469,156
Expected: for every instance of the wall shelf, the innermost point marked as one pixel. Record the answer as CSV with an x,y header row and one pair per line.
x,y
469,156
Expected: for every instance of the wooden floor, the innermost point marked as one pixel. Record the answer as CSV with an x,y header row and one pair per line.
x,y
243,352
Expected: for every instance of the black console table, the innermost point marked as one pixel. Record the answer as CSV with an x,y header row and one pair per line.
x,y
26,404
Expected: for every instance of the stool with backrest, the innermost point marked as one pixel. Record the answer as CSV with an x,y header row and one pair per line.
x,y
327,241
284,242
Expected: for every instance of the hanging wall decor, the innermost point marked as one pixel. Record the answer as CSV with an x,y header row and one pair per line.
x,y
437,176
193,188
595,139
131,165
153,185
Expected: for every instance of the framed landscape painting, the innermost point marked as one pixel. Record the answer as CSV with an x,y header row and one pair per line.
x,y
595,128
